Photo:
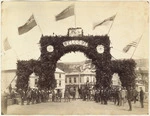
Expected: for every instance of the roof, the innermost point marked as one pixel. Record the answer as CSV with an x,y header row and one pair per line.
x,y
59,71
142,70
139,84
81,73
14,69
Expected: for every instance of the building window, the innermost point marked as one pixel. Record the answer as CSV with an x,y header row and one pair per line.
x,y
87,79
80,80
75,80
70,80
59,75
59,83
65,80
94,80
36,82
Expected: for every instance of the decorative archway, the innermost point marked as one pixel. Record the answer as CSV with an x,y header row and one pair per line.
x,y
96,48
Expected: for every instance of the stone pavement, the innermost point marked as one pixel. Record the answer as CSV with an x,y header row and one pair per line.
x,y
77,107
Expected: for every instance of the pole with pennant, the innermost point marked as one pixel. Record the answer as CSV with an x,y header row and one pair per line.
x,y
75,20
74,16
7,47
38,26
16,54
11,81
17,60
40,29
136,46
67,12
112,24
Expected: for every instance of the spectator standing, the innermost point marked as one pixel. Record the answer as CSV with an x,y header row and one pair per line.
x,y
67,95
123,94
135,94
13,96
28,96
53,96
10,88
120,97
4,103
142,97
129,97
22,96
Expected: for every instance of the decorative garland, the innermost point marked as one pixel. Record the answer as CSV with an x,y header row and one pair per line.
x,y
53,48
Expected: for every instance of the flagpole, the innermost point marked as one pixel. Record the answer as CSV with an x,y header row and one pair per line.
x,y
75,20
38,25
74,16
16,54
12,80
111,25
136,46
40,28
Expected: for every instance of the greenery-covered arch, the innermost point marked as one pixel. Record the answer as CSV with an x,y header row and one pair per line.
x,y
54,47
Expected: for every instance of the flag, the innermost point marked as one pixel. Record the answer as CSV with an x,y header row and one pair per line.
x,y
104,21
6,45
69,11
27,26
132,44
85,66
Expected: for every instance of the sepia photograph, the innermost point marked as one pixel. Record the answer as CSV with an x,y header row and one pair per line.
x,y
75,58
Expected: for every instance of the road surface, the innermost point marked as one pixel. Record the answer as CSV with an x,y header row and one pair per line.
x,y
77,107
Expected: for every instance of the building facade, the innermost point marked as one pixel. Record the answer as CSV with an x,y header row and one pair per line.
x,y
60,80
9,76
79,79
116,83
142,77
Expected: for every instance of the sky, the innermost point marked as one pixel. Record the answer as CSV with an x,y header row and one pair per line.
x,y
130,23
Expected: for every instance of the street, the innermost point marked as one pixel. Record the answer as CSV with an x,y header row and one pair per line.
x,y
77,107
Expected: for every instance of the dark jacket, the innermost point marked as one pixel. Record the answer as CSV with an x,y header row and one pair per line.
x,y
141,95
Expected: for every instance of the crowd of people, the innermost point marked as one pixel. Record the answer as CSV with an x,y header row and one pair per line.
x,y
100,95
35,95
119,96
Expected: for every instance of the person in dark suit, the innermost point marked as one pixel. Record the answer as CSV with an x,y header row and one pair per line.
x,y
28,95
135,94
22,96
53,96
10,88
142,97
129,97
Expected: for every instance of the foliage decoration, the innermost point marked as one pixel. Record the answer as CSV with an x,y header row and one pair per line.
x,y
126,71
45,67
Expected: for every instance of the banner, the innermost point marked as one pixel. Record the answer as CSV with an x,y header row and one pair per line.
x,y
69,11
27,26
6,45
104,21
132,44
